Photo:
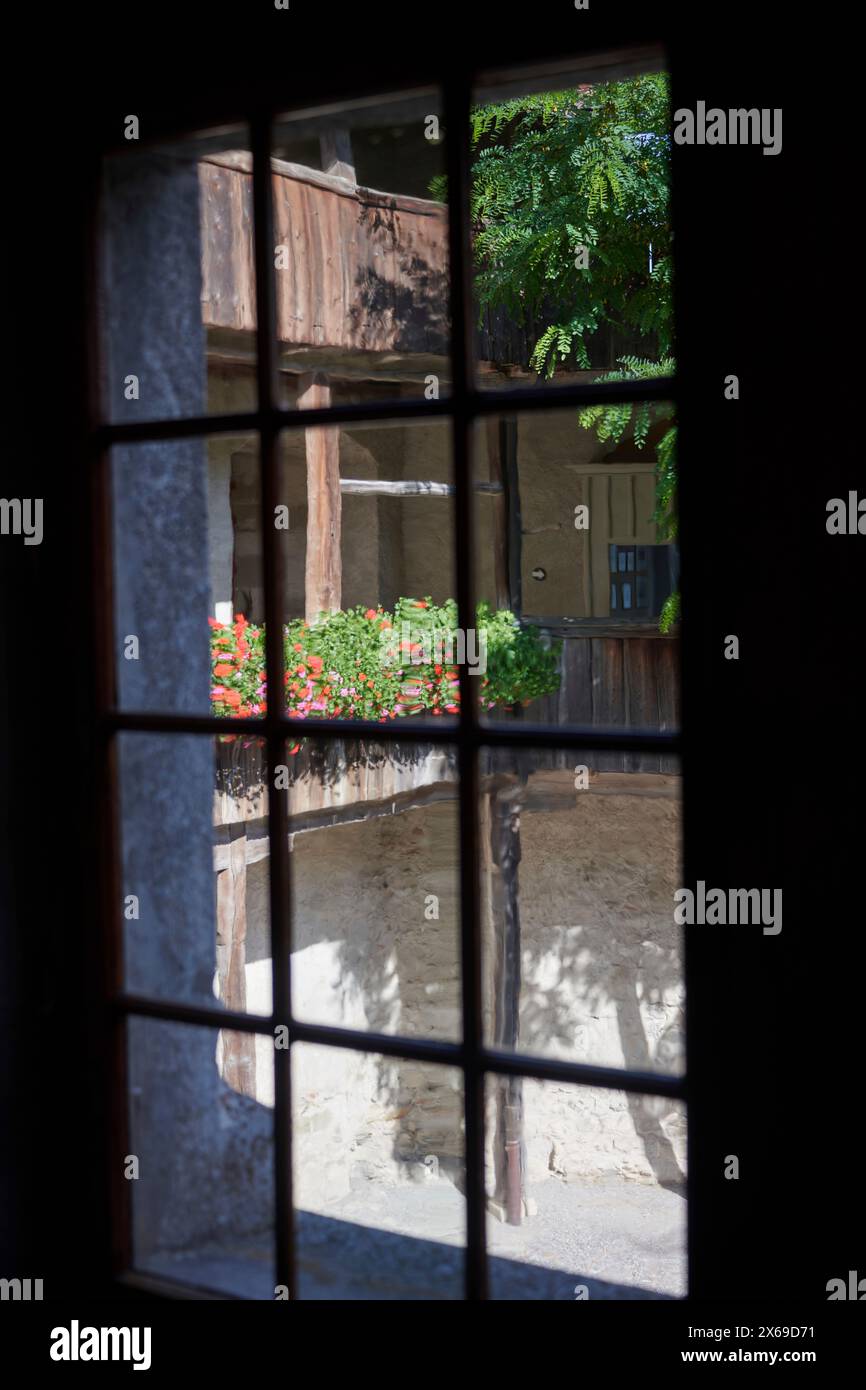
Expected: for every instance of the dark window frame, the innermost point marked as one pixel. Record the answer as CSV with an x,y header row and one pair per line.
x,y
462,408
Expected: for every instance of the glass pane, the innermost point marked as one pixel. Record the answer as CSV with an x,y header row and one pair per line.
x,y
178,279
586,1193
200,1165
571,229
561,499
361,253
188,576
582,957
378,1176
369,572
195,875
375,886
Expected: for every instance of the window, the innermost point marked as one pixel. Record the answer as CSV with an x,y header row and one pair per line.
x,y
415,917
641,577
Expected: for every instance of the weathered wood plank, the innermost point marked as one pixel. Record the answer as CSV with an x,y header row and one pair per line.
x,y
323,568
495,464
238,1059
363,270
241,161
641,698
608,696
326,777
379,487
666,663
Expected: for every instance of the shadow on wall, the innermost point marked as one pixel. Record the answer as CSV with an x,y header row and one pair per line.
x,y
411,316
376,947
608,990
367,957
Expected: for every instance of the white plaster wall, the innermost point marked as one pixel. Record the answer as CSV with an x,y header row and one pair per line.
x,y
601,983
219,528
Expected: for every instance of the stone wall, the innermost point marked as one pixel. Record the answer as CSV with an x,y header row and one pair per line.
x,y
199,1147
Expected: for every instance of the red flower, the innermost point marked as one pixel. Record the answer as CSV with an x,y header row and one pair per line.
x,y
223,669
370,613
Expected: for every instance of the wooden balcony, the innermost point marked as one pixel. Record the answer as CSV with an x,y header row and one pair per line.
x,y
363,276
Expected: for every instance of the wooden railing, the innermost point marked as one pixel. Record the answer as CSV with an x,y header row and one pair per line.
x,y
361,271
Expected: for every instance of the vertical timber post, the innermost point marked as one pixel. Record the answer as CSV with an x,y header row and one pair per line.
x,y
238,1055
500,824
323,573
499,506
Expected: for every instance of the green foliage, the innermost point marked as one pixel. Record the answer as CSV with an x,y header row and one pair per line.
x,y
519,666
670,612
563,170
588,168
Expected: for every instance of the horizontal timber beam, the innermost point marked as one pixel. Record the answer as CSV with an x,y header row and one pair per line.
x,y
376,487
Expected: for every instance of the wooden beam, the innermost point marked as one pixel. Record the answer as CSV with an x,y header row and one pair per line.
x,y
513,516
501,585
500,827
241,161
611,469
323,570
379,487
258,844
238,1060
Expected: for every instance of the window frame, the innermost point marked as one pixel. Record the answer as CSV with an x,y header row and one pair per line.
x,y
462,408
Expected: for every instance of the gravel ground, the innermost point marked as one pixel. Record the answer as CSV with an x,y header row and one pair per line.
x,y
619,1239
606,1231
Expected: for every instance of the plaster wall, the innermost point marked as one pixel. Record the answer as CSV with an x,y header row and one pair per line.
x,y
601,983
